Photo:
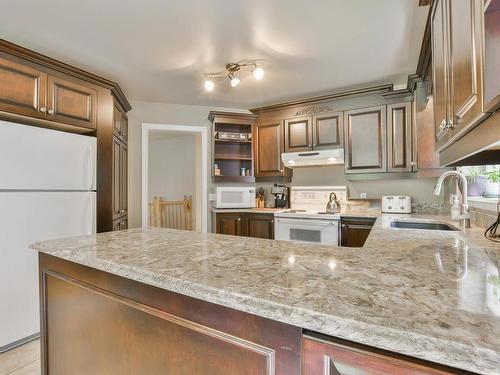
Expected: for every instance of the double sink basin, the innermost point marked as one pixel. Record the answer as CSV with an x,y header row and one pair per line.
x,y
426,225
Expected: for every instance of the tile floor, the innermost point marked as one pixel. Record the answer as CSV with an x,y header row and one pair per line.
x,y
23,360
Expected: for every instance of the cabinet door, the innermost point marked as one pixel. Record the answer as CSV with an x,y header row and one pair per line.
x,y
440,60
328,131
260,226
230,223
120,125
331,358
71,102
365,140
466,82
119,178
399,137
22,88
123,179
268,141
298,134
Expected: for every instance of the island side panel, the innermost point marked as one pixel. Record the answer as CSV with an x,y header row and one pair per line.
x,y
96,322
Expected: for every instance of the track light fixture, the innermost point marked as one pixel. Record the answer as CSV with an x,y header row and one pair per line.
x,y
230,71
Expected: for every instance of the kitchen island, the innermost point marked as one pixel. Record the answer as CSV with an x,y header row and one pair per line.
x,y
409,302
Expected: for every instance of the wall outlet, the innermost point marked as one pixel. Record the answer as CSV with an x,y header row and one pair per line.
x,y
211,197
362,195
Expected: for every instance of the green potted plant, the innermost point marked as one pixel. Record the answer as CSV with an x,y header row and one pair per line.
x,y
493,184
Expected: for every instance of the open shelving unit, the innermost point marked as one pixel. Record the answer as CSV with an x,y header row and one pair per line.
x,y
230,155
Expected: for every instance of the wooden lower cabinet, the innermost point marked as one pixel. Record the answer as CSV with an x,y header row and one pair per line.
x,y
260,226
355,231
245,224
120,326
322,357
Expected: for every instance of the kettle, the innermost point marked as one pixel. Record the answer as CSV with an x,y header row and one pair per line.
x,y
333,205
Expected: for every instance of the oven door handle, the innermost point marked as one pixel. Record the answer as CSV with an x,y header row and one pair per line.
x,y
307,222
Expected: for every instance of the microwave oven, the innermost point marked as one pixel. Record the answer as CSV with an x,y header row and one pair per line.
x,y
234,197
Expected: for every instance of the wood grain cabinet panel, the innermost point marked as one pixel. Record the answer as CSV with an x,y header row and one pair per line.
x,y
268,140
22,88
399,138
365,140
119,173
298,134
328,131
440,58
465,47
71,102
229,223
260,226
330,358
120,123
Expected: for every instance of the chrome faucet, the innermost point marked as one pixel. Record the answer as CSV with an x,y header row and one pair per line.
x,y
464,217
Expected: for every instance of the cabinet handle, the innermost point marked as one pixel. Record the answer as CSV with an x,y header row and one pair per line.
x,y
43,109
281,170
239,219
51,111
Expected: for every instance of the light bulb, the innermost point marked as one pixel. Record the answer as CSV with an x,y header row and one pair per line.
x,y
209,85
234,81
258,73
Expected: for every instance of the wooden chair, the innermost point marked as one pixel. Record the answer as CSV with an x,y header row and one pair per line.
x,y
171,214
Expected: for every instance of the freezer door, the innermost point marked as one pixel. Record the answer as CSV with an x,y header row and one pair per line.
x,y
27,217
40,159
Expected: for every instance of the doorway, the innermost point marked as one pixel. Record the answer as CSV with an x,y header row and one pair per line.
x,y
174,176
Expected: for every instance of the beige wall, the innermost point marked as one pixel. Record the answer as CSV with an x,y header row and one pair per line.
x,y
156,113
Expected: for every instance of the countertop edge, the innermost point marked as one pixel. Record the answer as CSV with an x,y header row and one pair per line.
x,y
379,336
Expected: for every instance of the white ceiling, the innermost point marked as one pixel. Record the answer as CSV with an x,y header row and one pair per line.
x,y
157,50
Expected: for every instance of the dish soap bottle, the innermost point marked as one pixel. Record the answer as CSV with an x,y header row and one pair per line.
x,y
455,208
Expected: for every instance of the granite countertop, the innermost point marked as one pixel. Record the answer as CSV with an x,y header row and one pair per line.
x,y
427,294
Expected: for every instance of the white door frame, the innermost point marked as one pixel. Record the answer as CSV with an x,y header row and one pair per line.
x,y
203,131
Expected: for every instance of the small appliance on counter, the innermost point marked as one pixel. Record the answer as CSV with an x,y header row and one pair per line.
x,y
281,195
234,197
396,204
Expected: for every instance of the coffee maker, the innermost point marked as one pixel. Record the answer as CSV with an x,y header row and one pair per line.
x,y
281,195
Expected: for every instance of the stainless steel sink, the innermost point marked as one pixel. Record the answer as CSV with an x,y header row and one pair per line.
x,y
421,225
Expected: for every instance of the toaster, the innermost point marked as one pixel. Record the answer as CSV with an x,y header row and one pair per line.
x,y
396,204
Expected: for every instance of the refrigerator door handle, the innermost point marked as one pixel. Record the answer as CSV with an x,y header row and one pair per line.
x,y
92,167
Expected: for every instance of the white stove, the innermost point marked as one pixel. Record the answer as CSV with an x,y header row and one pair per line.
x,y
307,221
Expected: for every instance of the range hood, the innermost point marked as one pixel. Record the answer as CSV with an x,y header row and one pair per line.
x,y
313,158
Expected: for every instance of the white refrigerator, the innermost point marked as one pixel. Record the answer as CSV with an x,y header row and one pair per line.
x,y
47,191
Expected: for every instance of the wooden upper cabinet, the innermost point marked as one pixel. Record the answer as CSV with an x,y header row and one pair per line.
x,y
328,131
298,134
120,123
399,137
365,140
440,59
71,102
119,173
465,49
22,88
268,142
321,357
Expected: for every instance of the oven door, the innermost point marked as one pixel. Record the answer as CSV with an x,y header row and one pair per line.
x,y
317,231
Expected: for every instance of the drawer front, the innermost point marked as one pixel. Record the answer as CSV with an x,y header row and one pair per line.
x,y
328,358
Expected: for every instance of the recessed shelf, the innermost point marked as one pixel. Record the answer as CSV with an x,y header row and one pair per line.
x,y
244,179
231,157
231,141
